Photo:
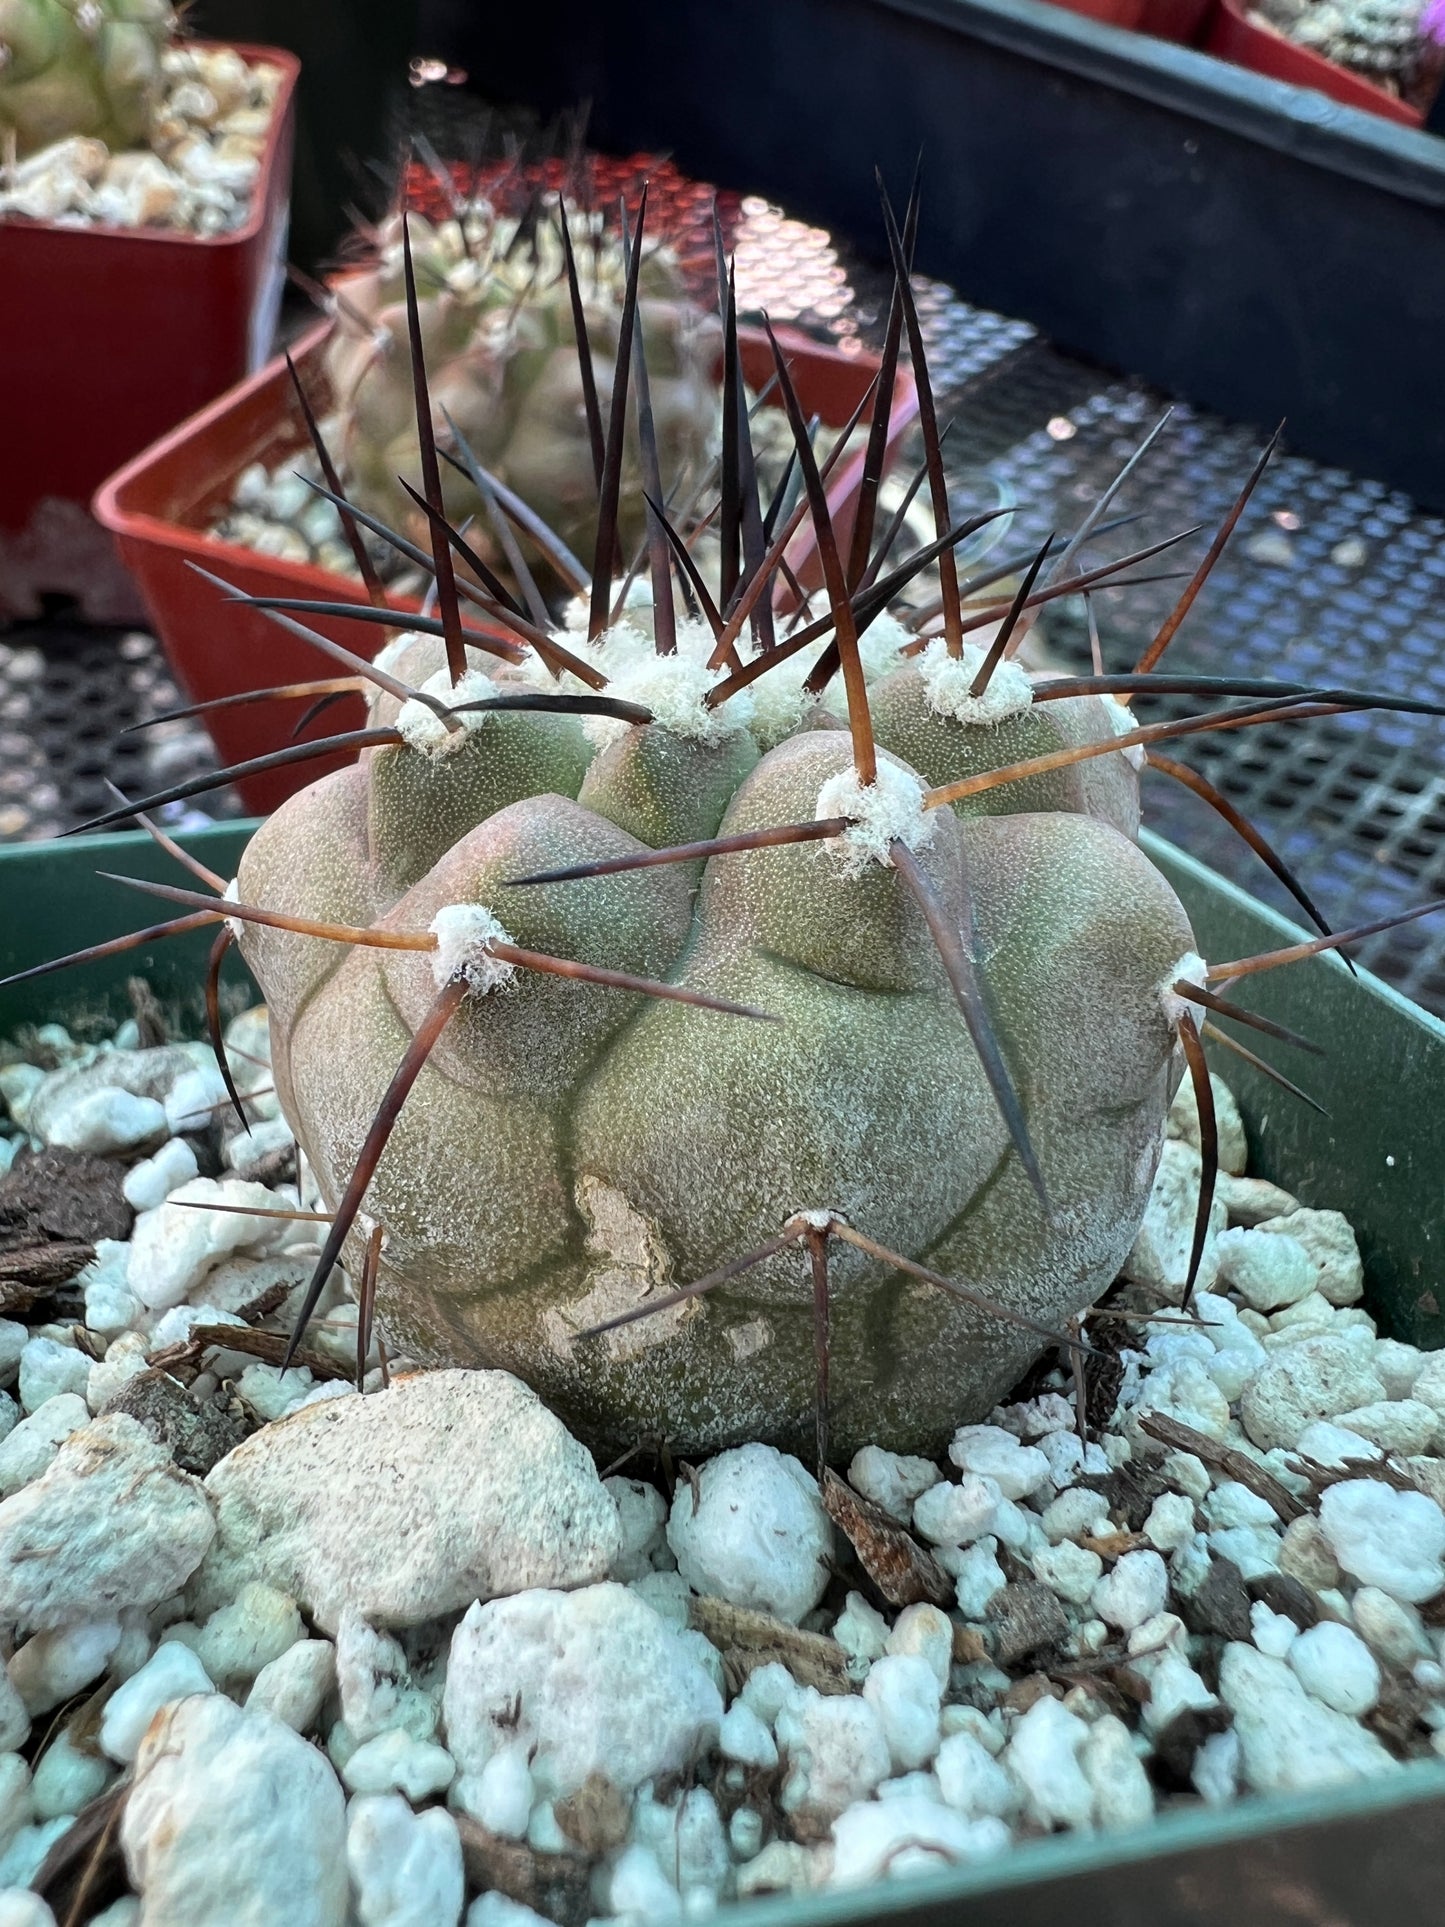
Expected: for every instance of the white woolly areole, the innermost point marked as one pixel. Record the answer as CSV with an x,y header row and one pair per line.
x,y
1190,969
889,810
423,729
818,1220
464,934
1125,722
672,687
947,681
232,894
881,646
391,653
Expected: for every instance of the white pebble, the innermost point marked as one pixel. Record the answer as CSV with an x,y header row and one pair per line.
x,y
1185,1390
194,1101
1326,1443
1393,1540
896,1839
862,1632
1273,1633
1215,1772
1134,1591
231,1818
1336,1667
111,1306
48,1369
1170,1521
756,1533
642,1512
956,1515
17,1807
53,1667
743,1737
501,1796
1329,1240
891,1479
124,1360
1317,1377
173,1673
21,1908
120,1527
270,1392
105,1120
977,1576
1079,1514
925,1631
1392,1631
836,1750
1044,1757
904,1692
1398,1366
151,1182
593,1679
1070,1571
1123,1797
639,1890
1403,1425
994,1454
293,1687
406,1868
1288,1741
1233,1504
971,1779
395,1762
67,1778
1268,1272
33,1444
173,1247
768,1689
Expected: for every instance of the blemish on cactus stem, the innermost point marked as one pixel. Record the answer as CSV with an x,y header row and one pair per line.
x,y
465,933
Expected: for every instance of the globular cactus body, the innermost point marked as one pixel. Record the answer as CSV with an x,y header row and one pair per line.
x,y
569,1152
501,353
81,67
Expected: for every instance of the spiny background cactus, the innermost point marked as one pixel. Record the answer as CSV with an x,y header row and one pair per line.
x,y
81,67
1384,40
740,1029
499,327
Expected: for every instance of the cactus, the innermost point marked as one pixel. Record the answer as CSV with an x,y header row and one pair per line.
x,y
499,328
739,1031
81,67
1383,40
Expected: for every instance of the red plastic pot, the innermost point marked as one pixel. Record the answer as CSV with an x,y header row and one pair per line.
x,y
160,505
109,336
1180,20
1234,36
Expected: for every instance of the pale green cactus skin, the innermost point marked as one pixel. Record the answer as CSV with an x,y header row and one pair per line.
x,y
569,1150
81,67
501,351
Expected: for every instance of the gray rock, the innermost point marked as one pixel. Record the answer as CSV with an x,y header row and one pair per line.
x,y
196,1436
110,1525
406,1504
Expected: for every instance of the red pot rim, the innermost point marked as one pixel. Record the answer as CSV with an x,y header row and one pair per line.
x,y
112,511
260,193
1263,49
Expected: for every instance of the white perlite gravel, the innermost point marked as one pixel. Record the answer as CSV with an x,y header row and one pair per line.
x,y
197,175
350,1672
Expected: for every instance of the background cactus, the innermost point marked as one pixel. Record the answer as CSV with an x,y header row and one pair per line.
x,y
497,323
81,67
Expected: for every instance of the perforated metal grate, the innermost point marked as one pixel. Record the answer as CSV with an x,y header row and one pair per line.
x,y
1329,577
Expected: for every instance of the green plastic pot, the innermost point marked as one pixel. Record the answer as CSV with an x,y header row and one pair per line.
x,y
1363,1855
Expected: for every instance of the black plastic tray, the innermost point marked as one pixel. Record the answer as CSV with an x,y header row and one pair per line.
x,y
1248,245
